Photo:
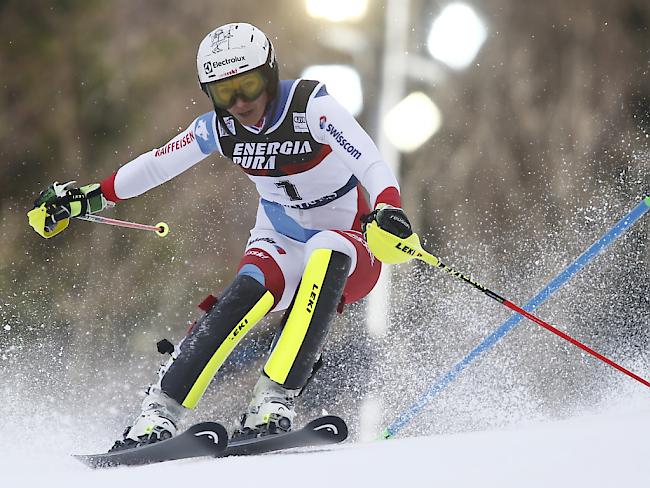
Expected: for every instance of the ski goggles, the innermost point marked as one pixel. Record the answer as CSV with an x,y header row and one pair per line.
x,y
247,86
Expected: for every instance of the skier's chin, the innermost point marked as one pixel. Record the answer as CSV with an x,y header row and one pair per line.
x,y
249,117
249,113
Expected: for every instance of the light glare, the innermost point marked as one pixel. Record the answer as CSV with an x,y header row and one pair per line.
x,y
456,35
412,121
337,10
343,83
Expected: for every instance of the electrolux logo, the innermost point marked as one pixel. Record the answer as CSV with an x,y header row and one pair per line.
x,y
343,142
210,66
235,59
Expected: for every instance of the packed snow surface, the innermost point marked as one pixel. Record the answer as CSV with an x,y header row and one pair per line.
x,y
605,449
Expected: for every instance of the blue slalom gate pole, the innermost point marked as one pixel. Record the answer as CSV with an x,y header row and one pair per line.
x,y
617,230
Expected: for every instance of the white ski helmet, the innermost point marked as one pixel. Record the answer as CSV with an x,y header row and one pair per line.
x,y
233,49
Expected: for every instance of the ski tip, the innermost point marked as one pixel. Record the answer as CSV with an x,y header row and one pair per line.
x,y
210,434
330,427
203,439
647,201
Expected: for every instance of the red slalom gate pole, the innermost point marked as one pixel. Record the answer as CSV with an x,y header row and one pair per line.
x,y
573,341
428,258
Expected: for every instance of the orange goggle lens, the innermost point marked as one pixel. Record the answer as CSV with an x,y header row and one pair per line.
x,y
248,86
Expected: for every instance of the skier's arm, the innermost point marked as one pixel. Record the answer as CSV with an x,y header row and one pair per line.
x,y
159,165
330,123
58,203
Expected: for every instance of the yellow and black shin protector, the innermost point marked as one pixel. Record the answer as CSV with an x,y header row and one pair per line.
x,y
309,319
213,338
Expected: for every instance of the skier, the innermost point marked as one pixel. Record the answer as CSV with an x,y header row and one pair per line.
x,y
308,158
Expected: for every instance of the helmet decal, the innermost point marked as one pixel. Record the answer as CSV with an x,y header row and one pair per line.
x,y
222,37
219,38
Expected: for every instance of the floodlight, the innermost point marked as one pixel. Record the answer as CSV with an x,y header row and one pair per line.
x,y
337,10
343,83
456,35
412,121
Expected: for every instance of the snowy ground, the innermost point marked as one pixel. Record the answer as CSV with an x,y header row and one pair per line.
x,y
609,449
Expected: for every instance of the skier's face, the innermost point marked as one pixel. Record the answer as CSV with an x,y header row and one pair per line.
x,y
249,113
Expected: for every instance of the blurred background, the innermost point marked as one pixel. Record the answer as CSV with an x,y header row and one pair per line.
x,y
520,133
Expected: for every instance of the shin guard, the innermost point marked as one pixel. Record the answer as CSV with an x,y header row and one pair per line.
x,y
309,319
213,338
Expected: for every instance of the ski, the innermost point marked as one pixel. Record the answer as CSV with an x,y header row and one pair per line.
x,y
204,439
211,439
329,429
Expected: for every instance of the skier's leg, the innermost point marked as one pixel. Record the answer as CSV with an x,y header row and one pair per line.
x,y
258,287
212,339
326,271
271,266
299,345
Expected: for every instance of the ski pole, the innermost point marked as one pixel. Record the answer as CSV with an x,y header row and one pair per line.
x,y
395,250
161,229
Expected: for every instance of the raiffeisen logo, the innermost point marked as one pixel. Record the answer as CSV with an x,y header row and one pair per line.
x,y
343,142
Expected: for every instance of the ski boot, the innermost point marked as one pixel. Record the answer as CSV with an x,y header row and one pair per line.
x,y
271,411
157,422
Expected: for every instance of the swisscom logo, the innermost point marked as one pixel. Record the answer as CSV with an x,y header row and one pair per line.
x,y
343,142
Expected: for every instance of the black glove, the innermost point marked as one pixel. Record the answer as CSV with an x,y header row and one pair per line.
x,y
389,218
